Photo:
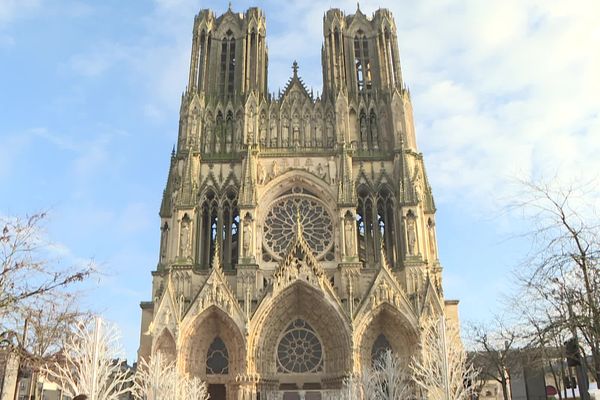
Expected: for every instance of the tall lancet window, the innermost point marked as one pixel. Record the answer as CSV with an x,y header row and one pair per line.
x,y
362,63
390,56
231,223
201,59
227,64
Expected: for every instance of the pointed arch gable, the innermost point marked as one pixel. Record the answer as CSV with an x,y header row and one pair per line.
x,y
217,293
167,312
166,345
385,290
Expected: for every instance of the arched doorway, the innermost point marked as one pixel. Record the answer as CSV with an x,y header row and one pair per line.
x,y
214,350
301,340
382,329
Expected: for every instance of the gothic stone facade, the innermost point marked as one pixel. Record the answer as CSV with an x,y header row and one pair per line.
x,y
297,231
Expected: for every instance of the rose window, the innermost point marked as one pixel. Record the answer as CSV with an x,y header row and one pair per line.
x,y
280,224
299,350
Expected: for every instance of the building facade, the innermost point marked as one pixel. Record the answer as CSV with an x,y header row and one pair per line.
x,y
297,231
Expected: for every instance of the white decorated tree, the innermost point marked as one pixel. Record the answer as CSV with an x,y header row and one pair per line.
x,y
159,379
92,364
442,369
387,379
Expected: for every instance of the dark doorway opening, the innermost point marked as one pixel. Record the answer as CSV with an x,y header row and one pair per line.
x,y
217,392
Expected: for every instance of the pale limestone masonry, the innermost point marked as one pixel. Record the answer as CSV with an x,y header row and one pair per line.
x,y
297,231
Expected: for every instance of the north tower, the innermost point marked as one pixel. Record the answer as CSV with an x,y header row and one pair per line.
x,y
297,232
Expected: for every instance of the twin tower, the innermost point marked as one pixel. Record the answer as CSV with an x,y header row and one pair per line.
x,y
297,232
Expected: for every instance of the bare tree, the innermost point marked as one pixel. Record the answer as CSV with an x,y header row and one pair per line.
x,y
388,379
92,364
41,330
159,379
563,268
495,352
442,369
155,379
25,273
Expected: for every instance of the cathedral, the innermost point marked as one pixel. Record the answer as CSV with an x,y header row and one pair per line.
x,y
297,232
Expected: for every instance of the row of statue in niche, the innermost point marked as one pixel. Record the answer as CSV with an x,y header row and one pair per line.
x,y
227,135
324,169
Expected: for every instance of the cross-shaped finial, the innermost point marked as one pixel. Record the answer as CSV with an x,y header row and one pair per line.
x,y
229,6
295,67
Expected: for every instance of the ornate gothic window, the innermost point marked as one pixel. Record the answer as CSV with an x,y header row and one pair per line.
x,y
361,61
379,348
299,350
217,358
281,219
218,221
375,221
227,64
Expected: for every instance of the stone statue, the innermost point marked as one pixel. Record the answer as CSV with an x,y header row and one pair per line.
x,y
247,244
285,131
307,136
319,130
218,148
275,169
228,135
374,131
308,165
332,170
164,237
411,236
262,174
431,232
273,132
321,171
263,131
296,129
349,236
329,133
208,138
363,131
184,241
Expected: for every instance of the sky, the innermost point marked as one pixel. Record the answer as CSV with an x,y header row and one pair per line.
x,y
90,94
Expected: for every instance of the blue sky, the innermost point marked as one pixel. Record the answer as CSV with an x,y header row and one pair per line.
x,y
89,100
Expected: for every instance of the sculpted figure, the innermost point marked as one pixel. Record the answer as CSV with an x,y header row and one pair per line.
x,y
363,131
263,131
320,171
431,229
184,241
411,236
164,236
275,169
329,133
285,131
349,236
374,132
332,170
296,129
273,132
247,246
319,131
262,174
